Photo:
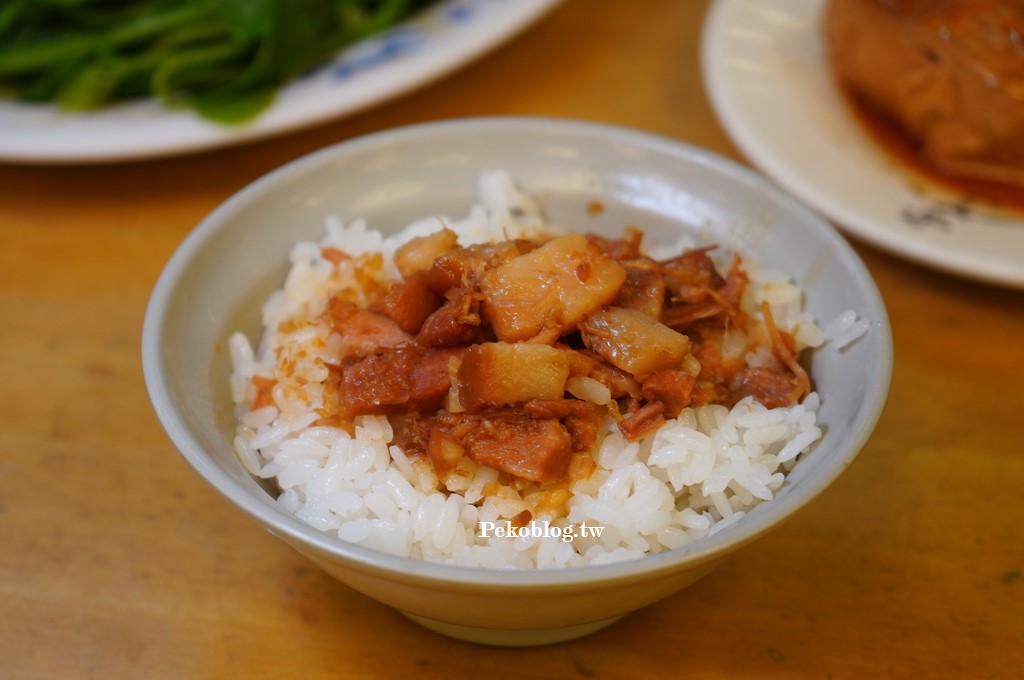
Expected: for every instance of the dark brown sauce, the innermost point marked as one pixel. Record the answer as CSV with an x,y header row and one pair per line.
x,y
1001,198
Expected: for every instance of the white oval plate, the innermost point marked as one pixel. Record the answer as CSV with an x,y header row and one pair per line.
x,y
409,55
766,72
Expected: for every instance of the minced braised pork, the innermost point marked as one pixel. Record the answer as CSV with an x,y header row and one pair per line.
x,y
513,353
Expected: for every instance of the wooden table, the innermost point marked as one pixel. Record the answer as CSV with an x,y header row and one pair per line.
x,y
117,561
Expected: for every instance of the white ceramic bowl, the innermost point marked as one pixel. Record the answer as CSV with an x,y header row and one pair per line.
x,y
221,274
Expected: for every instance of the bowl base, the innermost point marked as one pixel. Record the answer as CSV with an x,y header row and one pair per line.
x,y
505,637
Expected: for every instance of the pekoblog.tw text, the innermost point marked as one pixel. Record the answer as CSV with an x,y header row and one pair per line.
x,y
534,529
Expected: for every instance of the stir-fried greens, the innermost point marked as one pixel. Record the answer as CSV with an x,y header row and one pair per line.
x,y
225,58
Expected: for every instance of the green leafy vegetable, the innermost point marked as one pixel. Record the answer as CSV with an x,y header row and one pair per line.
x,y
224,58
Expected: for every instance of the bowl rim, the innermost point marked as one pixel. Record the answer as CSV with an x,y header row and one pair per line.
x,y
306,538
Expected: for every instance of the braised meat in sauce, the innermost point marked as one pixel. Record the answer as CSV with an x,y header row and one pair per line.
x,y
513,354
949,74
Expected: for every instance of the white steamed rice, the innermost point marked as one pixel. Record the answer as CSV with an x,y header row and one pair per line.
x,y
696,475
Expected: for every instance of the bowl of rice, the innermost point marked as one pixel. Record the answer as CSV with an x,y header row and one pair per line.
x,y
516,377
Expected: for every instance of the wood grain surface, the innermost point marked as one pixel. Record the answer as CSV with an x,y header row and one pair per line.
x,y
117,561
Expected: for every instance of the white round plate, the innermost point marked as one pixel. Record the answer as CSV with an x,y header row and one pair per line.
x,y
767,75
411,54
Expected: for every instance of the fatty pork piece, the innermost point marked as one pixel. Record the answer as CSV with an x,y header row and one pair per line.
x,y
463,267
546,292
411,302
501,373
634,342
418,254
